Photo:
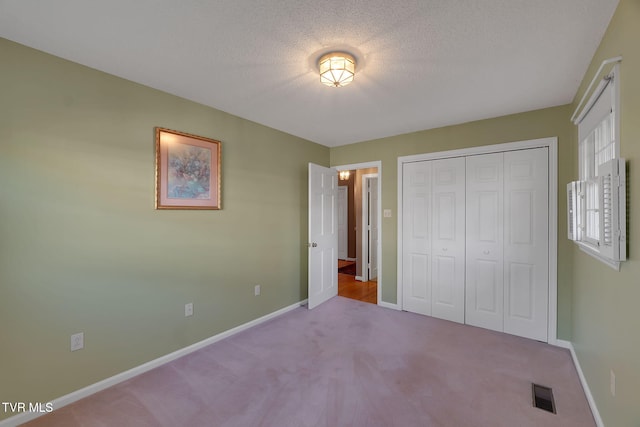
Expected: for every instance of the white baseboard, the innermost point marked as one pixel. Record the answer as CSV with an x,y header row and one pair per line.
x,y
359,278
563,344
133,372
389,305
583,381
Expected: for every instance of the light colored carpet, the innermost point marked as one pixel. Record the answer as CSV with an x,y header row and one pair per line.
x,y
346,363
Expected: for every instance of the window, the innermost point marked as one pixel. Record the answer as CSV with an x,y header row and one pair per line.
x,y
596,203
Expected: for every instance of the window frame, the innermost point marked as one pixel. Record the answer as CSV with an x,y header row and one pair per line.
x,y
588,122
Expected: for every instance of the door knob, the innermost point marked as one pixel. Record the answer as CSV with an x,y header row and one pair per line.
x,y
312,245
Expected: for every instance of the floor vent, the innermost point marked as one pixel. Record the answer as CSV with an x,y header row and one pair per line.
x,y
543,398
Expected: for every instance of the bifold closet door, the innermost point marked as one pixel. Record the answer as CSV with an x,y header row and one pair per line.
x,y
416,237
526,243
484,244
448,239
507,258
433,238
476,240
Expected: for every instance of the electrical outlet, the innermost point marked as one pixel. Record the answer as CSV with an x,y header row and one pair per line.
x,y
386,213
188,309
256,290
77,341
613,383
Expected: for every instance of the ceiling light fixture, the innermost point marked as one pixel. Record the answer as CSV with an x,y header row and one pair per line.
x,y
337,69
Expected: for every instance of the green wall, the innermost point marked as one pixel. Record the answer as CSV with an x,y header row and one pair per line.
x,y
83,249
606,319
531,125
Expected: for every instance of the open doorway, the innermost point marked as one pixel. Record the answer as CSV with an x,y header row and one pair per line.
x,y
359,232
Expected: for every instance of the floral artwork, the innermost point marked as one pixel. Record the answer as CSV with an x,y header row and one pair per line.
x,y
187,171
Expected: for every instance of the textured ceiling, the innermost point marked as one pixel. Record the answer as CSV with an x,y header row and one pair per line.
x,y
421,63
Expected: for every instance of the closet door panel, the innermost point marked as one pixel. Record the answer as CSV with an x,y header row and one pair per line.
x,y
448,241
484,300
526,257
416,237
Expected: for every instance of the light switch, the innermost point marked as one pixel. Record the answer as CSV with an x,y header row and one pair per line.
x,y
387,213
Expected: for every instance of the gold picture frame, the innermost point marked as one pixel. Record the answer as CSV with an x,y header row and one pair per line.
x,y
187,171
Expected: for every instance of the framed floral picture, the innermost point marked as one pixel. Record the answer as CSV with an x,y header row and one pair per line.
x,y
187,171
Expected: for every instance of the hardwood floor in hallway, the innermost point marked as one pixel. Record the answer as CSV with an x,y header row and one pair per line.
x,y
349,287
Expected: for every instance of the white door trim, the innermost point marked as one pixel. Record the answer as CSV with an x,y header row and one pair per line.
x,y
343,229
552,144
364,276
375,164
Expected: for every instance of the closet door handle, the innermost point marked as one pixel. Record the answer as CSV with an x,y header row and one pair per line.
x,y
485,252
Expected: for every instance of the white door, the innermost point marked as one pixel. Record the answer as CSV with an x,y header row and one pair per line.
x,y
323,234
526,243
448,239
416,237
499,204
343,212
484,245
373,228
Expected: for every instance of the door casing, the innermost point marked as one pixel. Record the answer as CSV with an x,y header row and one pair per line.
x,y
365,276
343,228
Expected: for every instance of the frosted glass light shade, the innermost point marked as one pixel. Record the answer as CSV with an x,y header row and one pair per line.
x,y
337,69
